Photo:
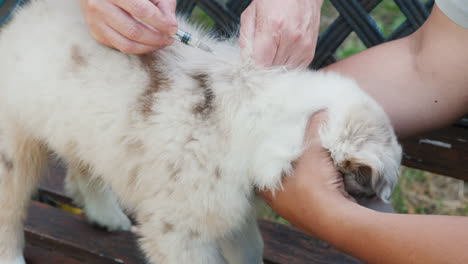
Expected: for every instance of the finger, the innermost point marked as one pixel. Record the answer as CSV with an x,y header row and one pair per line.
x,y
301,57
301,60
148,12
167,7
265,45
247,31
306,61
133,30
123,44
287,47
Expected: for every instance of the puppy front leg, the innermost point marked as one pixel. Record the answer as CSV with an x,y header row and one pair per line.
x,y
21,164
97,199
364,148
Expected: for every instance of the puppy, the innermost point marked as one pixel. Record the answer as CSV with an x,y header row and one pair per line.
x,y
181,136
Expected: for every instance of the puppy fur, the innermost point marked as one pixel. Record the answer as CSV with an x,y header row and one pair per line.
x,y
181,136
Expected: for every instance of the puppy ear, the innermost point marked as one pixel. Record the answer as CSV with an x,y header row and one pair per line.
x,y
363,180
358,179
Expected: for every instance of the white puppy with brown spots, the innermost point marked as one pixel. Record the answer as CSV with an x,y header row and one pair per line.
x,y
181,136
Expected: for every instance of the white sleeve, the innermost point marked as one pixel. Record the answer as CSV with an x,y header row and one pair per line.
x,y
456,10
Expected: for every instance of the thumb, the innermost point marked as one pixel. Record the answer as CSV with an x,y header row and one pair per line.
x,y
247,31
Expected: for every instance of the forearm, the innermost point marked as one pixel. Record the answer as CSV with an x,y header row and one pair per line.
x,y
419,80
393,238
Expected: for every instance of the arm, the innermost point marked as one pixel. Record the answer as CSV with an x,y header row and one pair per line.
x,y
421,80
314,200
131,26
394,238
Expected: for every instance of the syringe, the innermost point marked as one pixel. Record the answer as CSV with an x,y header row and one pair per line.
x,y
189,40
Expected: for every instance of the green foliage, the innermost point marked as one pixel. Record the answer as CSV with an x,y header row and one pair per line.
x,y
420,192
350,46
398,200
387,17
200,17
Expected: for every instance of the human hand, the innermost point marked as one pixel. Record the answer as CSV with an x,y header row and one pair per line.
x,y
314,189
115,23
277,32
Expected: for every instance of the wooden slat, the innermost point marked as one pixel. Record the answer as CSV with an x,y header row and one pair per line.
x,y
51,228
38,255
444,151
285,245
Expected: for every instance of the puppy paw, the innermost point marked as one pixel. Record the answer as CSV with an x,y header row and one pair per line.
x,y
364,148
17,260
110,218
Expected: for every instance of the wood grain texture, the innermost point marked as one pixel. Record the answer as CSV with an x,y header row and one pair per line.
x,y
38,255
444,151
286,245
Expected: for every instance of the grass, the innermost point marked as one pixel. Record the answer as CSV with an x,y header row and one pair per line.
x,y
420,192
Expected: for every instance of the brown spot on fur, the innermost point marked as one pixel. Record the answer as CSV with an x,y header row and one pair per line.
x,y
157,81
84,168
193,234
167,227
133,175
204,108
168,191
136,146
77,57
7,163
133,145
218,173
145,218
174,174
174,171
191,139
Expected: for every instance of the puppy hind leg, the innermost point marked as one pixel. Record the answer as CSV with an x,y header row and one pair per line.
x,y
168,242
98,201
245,245
22,160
